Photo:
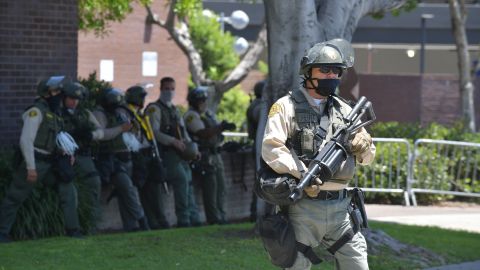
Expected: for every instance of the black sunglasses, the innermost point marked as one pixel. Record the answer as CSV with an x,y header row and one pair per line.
x,y
328,69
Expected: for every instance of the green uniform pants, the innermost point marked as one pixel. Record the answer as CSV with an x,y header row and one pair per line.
x,y
89,179
213,189
20,189
150,190
318,222
179,175
131,210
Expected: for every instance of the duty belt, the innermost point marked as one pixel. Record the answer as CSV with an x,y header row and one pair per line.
x,y
330,195
87,151
44,157
212,150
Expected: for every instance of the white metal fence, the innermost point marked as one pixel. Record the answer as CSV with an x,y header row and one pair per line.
x,y
444,167
431,166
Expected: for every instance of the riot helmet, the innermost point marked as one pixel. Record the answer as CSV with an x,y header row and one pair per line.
x,y
136,95
197,96
336,52
52,83
75,90
111,98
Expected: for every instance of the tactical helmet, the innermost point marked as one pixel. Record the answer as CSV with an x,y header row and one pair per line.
x,y
111,97
336,52
51,83
75,90
197,95
136,95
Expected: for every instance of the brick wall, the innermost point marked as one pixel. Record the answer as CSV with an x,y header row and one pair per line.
x,y
37,39
125,43
413,98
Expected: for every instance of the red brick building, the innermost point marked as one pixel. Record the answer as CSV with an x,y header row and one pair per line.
x,y
37,39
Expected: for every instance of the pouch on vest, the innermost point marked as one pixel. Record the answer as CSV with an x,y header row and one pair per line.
x,y
278,239
273,187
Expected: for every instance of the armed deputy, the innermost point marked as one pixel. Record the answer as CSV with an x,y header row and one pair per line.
x,y
298,126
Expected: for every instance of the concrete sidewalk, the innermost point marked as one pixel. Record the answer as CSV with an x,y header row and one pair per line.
x,y
465,217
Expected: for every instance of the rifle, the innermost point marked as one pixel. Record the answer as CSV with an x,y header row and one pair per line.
x,y
328,160
155,148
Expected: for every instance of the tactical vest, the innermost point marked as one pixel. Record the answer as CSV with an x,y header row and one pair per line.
x,y
214,141
51,125
116,144
312,129
80,118
169,122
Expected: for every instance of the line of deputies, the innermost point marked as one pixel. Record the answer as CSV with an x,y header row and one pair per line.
x,y
139,153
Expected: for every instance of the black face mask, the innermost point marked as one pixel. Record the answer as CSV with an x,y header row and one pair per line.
x,y
55,102
326,87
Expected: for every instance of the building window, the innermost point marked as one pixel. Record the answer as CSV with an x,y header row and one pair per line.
x,y
149,64
106,70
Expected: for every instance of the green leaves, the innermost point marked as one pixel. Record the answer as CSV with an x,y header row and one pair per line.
x,y
233,107
96,14
215,47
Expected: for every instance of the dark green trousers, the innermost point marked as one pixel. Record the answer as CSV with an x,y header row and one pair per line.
x,y
179,176
89,179
131,210
150,189
20,189
213,188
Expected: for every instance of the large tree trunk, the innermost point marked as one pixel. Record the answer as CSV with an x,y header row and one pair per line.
x,y
294,26
459,17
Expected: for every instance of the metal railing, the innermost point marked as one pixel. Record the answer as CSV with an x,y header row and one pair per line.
x,y
389,171
433,166
443,167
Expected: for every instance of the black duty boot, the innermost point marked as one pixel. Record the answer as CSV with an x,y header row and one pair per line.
x,y
74,233
143,223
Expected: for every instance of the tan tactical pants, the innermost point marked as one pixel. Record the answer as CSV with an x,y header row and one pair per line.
x,y
323,222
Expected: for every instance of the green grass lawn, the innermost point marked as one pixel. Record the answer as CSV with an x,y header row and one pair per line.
x,y
212,247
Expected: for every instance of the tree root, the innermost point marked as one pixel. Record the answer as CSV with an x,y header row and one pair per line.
x,y
378,240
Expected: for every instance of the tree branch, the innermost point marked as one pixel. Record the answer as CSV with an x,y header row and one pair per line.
x,y
181,36
247,63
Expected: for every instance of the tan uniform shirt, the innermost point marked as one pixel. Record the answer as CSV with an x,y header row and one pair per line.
x,y
280,127
32,118
101,132
193,121
155,114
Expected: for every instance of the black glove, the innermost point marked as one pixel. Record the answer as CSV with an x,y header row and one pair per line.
x,y
82,134
227,125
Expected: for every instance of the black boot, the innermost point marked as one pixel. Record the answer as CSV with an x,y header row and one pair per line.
x,y
143,223
74,233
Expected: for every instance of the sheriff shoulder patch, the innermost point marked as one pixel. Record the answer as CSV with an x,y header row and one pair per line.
x,y
32,113
189,119
274,110
151,110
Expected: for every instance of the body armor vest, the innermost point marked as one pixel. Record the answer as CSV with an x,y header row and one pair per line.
x,y
313,129
51,125
209,122
79,119
169,122
116,144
